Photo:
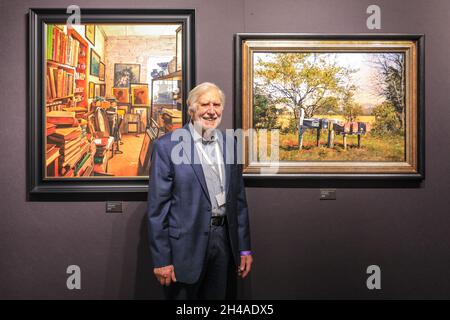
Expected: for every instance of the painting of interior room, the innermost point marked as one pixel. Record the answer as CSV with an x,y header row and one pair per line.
x,y
104,84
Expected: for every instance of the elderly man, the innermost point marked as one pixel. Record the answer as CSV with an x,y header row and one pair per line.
x,y
198,218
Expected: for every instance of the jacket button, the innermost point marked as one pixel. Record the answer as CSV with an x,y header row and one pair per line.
x,y
206,233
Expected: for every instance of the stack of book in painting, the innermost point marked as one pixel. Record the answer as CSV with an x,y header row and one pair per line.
x,y
171,119
62,119
57,105
51,157
80,112
74,148
84,167
50,129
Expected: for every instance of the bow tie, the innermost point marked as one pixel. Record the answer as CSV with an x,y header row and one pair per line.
x,y
206,142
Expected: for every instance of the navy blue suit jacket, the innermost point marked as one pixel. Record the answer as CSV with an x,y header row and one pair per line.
x,y
179,208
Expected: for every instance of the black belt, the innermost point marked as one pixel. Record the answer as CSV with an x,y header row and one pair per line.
x,y
218,220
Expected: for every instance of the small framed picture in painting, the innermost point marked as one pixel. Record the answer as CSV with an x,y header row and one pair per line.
x,y
122,95
90,33
102,90
125,74
101,72
139,95
95,63
91,90
97,90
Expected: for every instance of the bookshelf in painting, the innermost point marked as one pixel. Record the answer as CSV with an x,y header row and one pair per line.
x,y
68,149
81,87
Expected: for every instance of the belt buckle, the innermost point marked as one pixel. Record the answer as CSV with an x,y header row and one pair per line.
x,y
217,221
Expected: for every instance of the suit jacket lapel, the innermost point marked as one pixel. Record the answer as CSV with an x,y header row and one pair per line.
x,y
197,167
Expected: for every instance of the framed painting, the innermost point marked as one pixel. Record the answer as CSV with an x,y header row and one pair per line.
x,y
90,33
330,106
91,90
95,64
97,90
122,95
102,90
101,72
125,74
139,95
76,153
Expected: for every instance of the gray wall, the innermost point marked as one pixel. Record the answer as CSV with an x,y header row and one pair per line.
x,y
304,248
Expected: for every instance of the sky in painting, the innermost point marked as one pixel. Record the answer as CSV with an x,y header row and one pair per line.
x,y
367,93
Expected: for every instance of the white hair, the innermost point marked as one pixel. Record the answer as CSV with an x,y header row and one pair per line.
x,y
198,91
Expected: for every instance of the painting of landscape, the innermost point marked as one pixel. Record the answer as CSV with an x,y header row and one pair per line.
x,y
331,106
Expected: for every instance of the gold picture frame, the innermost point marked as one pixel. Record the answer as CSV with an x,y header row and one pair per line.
x,y
140,95
90,33
122,95
91,89
274,74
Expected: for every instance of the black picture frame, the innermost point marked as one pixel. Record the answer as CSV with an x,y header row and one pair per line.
x,y
92,70
98,188
348,180
137,75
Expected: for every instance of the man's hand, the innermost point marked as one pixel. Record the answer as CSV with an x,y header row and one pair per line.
x,y
165,275
246,265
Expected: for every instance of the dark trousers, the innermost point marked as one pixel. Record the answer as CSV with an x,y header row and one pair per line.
x,y
218,278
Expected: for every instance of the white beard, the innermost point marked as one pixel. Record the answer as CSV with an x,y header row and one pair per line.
x,y
207,131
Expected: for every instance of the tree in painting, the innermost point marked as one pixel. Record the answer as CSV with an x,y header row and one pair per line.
x,y
304,82
391,84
